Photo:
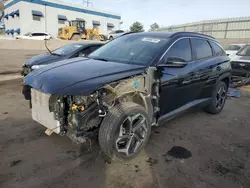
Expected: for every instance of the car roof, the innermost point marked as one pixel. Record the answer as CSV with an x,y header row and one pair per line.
x,y
173,34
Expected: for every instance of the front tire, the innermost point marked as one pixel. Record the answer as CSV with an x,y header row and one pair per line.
x,y
218,99
124,131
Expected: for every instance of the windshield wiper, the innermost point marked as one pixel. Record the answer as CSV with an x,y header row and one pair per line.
x,y
100,59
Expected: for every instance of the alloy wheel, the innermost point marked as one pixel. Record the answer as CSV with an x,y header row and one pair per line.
x,y
132,134
220,97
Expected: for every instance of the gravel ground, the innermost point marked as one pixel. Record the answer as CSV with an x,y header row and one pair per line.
x,y
195,150
217,152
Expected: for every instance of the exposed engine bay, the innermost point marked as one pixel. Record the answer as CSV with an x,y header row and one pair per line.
x,y
77,116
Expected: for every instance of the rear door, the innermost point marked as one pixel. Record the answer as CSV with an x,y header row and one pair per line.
x,y
205,62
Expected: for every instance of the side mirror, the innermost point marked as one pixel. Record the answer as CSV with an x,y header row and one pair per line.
x,y
174,62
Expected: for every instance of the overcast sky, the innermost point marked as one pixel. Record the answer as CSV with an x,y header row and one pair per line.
x,y
171,12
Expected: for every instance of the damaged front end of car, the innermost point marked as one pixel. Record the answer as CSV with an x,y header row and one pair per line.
x,y
79,116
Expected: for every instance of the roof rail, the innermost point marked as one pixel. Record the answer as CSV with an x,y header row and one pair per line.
x,y
194,33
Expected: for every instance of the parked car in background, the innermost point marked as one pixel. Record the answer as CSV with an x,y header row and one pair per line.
x,y
66,52
114,34
232,49
124,90
35,36
241,62
82,49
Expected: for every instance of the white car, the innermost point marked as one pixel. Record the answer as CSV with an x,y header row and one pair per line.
x,y
232,49
35,36
115,34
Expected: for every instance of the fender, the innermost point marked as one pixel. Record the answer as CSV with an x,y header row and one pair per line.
x,y
223,76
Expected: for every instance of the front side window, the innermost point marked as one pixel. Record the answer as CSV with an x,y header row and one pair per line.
x,y
119,31
201,48
136,49
180,50
217,49
245,51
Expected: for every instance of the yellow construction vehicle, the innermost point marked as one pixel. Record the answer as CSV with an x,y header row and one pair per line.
x,y
76,31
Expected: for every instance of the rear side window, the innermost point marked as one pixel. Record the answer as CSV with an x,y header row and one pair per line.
x,y
201,48
181,49
217,49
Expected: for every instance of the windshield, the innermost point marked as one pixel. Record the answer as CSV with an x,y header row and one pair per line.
x,y
245,51
233,47
68,49
135,49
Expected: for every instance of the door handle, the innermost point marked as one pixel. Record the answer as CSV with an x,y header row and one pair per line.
x,y
218,68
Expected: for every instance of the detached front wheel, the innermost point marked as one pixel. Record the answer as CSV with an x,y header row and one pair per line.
x,y
124,131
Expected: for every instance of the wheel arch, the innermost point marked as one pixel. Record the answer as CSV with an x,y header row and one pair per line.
x,y
225,78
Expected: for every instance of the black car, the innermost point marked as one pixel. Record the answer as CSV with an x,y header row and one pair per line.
x,y
66,52
127,86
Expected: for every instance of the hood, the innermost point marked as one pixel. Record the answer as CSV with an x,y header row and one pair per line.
x,y
43,59
79,76
238,58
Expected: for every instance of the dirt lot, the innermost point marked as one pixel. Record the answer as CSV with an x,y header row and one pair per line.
x,y
217,151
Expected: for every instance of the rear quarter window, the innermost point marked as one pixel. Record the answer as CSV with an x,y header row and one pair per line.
x,y
218,51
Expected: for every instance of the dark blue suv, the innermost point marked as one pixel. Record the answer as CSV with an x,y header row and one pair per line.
x,y
132,83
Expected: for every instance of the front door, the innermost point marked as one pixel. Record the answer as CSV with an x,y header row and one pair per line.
x,y
177,83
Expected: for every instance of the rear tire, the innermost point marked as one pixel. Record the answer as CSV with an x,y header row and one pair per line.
x,y
124,131
218,99
111,38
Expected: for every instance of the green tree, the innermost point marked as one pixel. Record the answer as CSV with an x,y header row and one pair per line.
x,y
136,27
154,27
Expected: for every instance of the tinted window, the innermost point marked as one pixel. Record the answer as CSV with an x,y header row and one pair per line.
x,y
181,49
119,31
202,48
38,34
137,49
217,49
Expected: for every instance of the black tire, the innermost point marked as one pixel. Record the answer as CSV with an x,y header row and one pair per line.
x,y
213,107
112,125
111,38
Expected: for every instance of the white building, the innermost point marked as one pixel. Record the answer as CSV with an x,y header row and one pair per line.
x,y
23,16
